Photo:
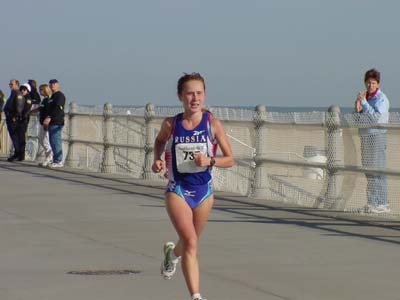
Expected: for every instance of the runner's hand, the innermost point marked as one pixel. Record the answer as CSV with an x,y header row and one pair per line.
x,y
200,160
157,166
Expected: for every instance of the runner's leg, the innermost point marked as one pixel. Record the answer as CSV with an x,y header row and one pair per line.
x,y
189,225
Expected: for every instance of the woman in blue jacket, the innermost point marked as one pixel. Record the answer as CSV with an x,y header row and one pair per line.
x,y
373,105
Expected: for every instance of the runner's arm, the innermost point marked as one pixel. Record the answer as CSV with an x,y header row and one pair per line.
x,y
159,144
226,160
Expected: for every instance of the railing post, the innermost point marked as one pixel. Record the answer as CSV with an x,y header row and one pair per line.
x,y
261,187
108,163
149,115
334,196
71,161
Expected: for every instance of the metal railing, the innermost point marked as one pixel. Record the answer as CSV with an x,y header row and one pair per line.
x,y
123,143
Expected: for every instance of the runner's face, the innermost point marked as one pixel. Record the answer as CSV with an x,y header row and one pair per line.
x,y
192,96
371,85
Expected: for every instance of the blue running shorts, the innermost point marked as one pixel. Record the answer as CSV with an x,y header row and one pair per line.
x,y
194,195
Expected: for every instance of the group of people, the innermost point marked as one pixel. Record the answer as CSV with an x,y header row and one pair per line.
x,y
188,144
24,100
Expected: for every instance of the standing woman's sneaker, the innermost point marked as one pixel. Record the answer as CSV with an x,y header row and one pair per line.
x,y
168,266
380,209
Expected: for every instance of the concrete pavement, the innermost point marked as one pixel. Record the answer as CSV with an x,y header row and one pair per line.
x,y
53,222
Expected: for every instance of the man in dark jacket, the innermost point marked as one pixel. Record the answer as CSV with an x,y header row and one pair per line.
x,y
14,87
55,122
17,111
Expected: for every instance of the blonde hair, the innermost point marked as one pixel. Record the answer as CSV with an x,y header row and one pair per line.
x,y
46,90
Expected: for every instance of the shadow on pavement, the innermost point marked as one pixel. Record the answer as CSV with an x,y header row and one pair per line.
x,y
237,208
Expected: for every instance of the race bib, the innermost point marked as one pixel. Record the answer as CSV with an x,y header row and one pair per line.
x,y
185,157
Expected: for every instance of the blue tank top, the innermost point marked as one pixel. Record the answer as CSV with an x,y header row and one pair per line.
x,y
181,148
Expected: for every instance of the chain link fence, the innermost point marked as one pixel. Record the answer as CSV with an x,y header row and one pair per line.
x,y
327,160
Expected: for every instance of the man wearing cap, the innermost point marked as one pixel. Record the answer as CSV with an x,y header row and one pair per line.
x,y
55,122
17,111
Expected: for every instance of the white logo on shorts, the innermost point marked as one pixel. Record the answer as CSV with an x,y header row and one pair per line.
x,y
189,193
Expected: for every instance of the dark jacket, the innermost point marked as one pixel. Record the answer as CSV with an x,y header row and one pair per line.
x,y
43,109
9,100
34,95
18,107
55,109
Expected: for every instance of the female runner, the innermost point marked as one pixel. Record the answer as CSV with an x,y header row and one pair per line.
x,y
190,141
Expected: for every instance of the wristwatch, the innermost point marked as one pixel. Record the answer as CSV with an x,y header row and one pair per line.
x,y
212,161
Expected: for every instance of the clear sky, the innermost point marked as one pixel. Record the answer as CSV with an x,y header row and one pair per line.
x,y
271,52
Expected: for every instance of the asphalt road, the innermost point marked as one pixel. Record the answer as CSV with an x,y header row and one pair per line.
x,y
67,234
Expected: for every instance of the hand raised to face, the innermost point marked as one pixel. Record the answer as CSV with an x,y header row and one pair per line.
x,y
361,96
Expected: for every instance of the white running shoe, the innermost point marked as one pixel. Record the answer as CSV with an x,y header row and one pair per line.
x,y
380,209
56,165
168,266
199,298
47,161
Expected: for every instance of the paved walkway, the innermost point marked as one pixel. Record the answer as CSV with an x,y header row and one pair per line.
x,y
53,222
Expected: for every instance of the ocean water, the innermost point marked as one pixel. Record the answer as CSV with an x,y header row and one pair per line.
x,y
303,109
286,109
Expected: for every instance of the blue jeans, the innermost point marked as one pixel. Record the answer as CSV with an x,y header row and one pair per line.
x,y
55,137
373,155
